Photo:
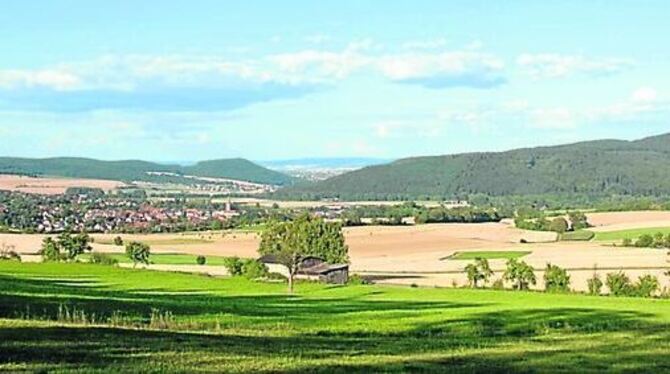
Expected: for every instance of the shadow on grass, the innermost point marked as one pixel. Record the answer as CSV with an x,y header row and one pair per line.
x,y
525,340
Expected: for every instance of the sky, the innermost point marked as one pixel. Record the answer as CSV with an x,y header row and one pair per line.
x,y
267,80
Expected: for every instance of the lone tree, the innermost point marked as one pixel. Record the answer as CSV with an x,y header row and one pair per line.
x,y
519,273
138,253
290,242
478,271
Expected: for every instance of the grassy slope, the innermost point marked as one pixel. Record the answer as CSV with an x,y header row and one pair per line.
x,y
256,327
630,234
166,259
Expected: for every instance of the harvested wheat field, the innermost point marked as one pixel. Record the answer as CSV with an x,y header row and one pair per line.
x,y
52,186
420,254
614,221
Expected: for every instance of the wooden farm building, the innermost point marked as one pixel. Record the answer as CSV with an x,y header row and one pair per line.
x,y
315,268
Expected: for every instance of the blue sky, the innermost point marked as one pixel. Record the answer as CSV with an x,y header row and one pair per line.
x,y
270,80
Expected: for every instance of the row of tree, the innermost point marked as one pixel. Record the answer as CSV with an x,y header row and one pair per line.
x,y
557,279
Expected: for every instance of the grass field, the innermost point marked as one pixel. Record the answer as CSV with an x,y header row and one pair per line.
x,y
630,234
169,241
165,259
489,255
234,325
581,235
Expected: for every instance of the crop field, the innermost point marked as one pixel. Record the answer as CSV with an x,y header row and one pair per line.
x,y
88,318
489,255
52,186
630,234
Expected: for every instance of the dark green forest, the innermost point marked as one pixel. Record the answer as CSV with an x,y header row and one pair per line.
x,y
592,169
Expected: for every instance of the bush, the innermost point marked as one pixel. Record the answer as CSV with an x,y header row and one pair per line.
x,y
357,280
627,242
201,260
595,285
559,225
103,259
253,269
50,251
138,253
118,241
556,279
498,284
8,253
619,284
519,273
646,286
233,265
645,241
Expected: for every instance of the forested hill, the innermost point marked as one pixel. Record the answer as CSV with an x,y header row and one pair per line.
x,y
132,170
595,168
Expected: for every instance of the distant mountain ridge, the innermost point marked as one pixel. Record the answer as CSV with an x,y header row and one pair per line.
x,y
596,168
136,170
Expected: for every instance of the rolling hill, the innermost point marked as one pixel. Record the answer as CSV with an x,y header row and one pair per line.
x,y
595,168
134,170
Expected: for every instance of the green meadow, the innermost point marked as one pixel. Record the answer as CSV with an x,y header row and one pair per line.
x,y
91,318
165,259
630,234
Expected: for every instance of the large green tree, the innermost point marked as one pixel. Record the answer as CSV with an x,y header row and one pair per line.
x,y
290,242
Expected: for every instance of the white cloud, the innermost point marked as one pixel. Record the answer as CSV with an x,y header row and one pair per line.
x,y
48,78
408,66
549,65
644,95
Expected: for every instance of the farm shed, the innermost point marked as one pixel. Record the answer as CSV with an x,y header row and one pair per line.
x,y
313,268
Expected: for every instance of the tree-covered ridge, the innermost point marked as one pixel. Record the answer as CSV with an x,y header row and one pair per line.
x,y
597,168
135,170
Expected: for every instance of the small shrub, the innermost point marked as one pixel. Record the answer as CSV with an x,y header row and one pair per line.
x,y
559,225
627,242
357,280
8,253
523,241
50,251
233,265
103,259
499,284
595,285
644,241
118,241
556,279
646,286
201,260
138,252
414,285
253,269
619,284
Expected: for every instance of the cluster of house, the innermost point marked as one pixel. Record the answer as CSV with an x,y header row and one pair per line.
x,y
106,217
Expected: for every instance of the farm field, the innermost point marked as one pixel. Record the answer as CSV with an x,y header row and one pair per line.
x,y
630,233
234,325
52,186
421,254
